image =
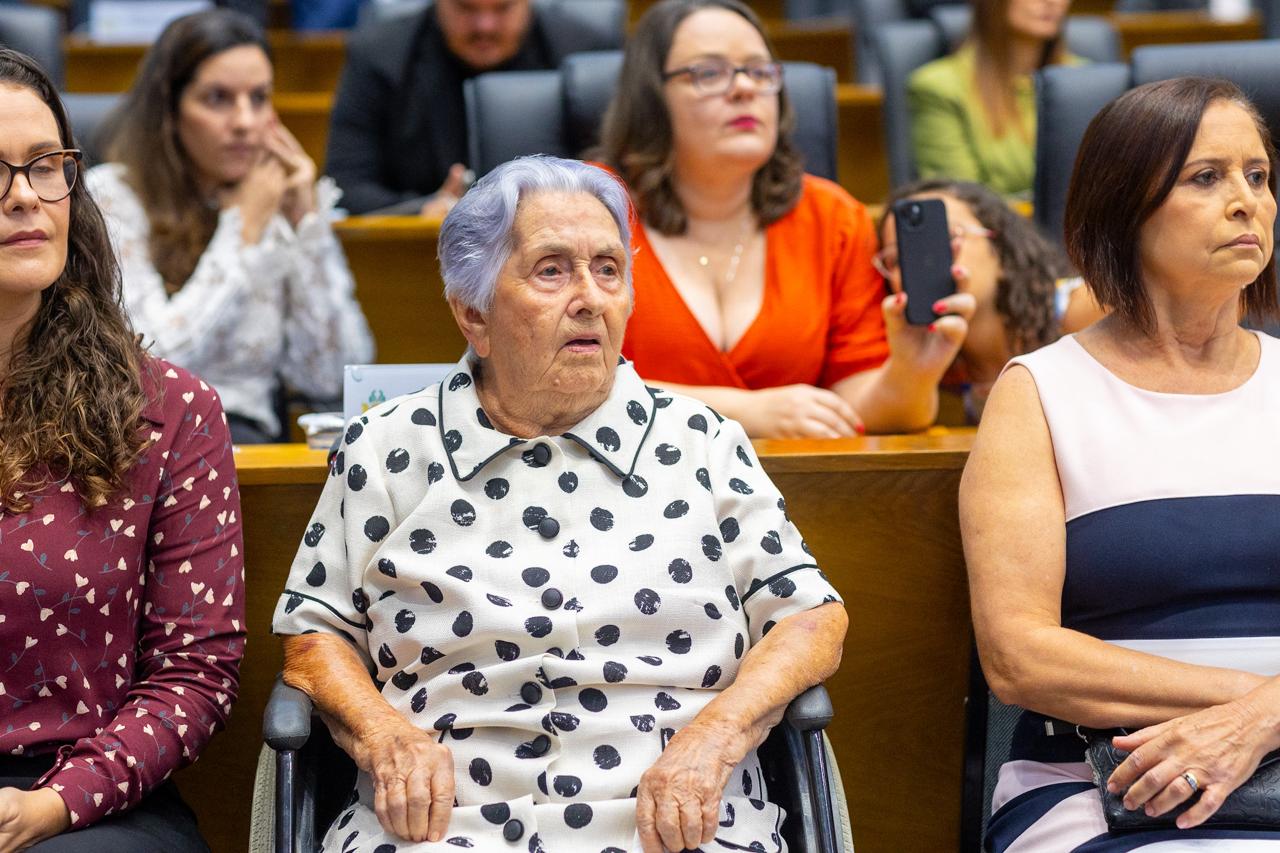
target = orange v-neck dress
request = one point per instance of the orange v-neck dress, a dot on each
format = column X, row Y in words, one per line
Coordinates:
column 819, row 321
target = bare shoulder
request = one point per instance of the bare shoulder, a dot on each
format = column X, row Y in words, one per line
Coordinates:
column 1013, row 450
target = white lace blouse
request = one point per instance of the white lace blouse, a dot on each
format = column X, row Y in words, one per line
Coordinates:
column 249, row 316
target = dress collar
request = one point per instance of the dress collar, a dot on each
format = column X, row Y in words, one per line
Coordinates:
column 613, row 434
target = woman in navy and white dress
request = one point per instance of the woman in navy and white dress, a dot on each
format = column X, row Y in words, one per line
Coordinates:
column 1121, row 508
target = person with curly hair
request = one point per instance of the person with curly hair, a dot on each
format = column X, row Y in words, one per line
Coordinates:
column 121, row 574
column 1026, row 296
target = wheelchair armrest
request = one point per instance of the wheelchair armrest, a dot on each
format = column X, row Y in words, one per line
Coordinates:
column 286, row 724
column 811, row 710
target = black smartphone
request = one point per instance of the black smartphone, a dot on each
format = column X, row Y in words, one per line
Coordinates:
column 924, row 256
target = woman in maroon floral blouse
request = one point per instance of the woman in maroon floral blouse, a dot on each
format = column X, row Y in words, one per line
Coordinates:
column 121, row 587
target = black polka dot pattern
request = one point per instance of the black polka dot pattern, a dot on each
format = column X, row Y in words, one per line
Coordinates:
column 550, row 657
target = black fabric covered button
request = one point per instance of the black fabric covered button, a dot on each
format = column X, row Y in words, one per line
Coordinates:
column 541, row 455
column 548, row 528
column 552, row 598
column 531, row 693
column 541, row 745
column 513, row 830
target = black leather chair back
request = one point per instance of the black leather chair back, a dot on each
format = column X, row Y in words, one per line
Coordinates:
column 87, row 113
column 37, row 32
column 1067, row 99
column 1253, row 66
column 869, row 15
column 901, row 47
column 510, row 114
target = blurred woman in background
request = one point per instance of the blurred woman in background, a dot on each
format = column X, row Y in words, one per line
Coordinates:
column 229, row 262
column 973, row 113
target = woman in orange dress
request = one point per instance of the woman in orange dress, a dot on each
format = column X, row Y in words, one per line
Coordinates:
column 755, row 289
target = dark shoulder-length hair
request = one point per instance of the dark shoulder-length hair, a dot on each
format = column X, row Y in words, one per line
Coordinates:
column 1128, row 163
column 71, row 404
column 994, row 75
column 142, row 134
column 1029, row 264
column 636, row 139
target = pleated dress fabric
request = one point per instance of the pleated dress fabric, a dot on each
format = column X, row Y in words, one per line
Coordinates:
column 1173, row 548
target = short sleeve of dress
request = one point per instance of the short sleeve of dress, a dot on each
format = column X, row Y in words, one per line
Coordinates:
column 324, row 591
column 856, row 340
column 774, row 573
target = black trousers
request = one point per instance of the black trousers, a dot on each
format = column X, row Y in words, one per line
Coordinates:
column 161, row 823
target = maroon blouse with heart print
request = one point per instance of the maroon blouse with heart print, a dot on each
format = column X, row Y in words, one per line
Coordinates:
column 121, row 629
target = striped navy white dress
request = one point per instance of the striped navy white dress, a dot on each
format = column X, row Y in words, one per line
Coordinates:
column 1173, row 548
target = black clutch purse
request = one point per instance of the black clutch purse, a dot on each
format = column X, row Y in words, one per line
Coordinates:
column 1254, row 805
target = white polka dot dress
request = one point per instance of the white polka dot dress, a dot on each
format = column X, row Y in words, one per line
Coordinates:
column 553, row 609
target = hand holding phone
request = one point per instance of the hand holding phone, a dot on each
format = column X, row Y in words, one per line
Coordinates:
column 924, row 256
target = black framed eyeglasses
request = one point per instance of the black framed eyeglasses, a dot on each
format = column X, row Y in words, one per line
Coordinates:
column 51, row 175
column 716, row 76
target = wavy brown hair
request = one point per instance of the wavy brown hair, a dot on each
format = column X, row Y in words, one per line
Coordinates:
column 142, row 134
column 1029, row 264
column 636, row 139
column 71, row 405
column 993, row 65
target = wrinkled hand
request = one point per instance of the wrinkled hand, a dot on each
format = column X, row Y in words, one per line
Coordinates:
column 1220, row 745
column 800, row 411
column 299, row 196
column 439, row 203
column 678, row 801
column 27, row 817
column 412, row 779
column 258, row 196
column 931, row 349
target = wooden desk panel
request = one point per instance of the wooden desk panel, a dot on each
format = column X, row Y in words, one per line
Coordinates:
column 880, row 516
column 1142, row 28
column 862, row 166
column 304, row 62
column 399, row 287
column 306, row 115
column 823, row 41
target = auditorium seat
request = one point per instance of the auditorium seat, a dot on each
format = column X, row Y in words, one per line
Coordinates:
column 1067, row 99
column 513, row 113
column 37, row 32
column 903, row 46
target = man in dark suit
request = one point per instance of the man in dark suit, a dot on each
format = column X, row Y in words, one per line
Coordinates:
column 398, row 138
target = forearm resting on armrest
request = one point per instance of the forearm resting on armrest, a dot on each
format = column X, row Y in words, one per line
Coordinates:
column 327, row 669
column 802, row 650
column 1081, row 679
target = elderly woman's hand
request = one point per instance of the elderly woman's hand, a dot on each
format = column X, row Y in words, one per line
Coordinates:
column 930, row 349
column 678, row 802
column 1220, row 746
column 412, row 777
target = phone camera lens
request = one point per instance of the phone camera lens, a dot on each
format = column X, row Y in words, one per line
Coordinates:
column 915, row 214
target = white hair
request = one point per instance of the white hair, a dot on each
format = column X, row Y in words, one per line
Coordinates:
column 476, row 240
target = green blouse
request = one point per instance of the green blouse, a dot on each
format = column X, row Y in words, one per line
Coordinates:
column 949, row 131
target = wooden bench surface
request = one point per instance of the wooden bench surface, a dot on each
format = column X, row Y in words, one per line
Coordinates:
column 880, row 516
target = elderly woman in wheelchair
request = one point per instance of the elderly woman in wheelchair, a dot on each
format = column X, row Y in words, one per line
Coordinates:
column 541, row 605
